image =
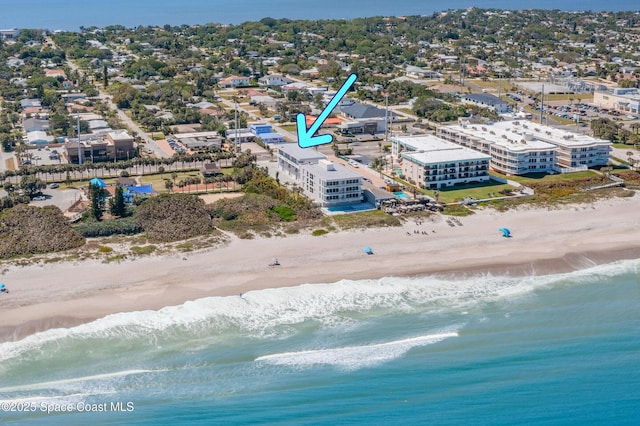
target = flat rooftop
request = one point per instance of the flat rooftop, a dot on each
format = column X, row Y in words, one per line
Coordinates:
column 197, row 135
column 548, row 134
column 512, row 137
column 339, row 172
column 301, row 154
column 432, row 149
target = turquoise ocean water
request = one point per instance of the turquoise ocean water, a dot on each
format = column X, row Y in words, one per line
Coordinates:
column 556, row 349
column 71, row 14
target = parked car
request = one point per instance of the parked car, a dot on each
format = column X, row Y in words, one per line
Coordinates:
column 39, row 198
column 54, row 185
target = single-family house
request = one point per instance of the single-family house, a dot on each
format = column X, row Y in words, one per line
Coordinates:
column 234, row 81
column 274, row 80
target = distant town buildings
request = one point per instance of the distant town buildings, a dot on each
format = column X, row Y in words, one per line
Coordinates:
column 619, row 99
column 200, row 141
column 115, row 145
column 485, row 100
column 9, row 34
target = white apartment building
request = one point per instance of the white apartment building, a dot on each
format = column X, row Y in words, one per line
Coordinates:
column 330, row 184
column 434, row 163
column 291, row 157
column 521, row 147
column 512, row 153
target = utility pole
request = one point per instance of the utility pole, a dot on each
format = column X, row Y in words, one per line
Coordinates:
column 79, row 143
column 541, row 104
column 386, row 117
column 237, row 140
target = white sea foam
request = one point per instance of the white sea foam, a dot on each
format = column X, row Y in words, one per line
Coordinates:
column 277, row 312
column 354, row 357
column 56, row 384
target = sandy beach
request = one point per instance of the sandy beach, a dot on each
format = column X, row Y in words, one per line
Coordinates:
column 544, row 241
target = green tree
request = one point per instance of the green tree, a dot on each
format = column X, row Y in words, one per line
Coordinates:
column 31, row 185
column 98, row 196
column 378, row 164
column 7, row 141
column 116, row 204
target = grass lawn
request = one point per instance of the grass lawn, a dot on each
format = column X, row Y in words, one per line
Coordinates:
column 85, row 182
column 546, row 178
column 288, row 127
column 363, row 220
column 566, row 96
column 407, row 111
column 457, row 193
column 624, row 146
column 157, row 180
column 489, row 84
column 478, row 191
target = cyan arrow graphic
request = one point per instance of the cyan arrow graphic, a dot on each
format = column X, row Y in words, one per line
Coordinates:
column 305, row 137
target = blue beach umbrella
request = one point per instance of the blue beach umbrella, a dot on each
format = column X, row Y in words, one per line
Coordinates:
column 505, row 232
column 368, row 250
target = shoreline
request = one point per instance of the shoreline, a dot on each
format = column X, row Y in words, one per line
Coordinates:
column 544, row 242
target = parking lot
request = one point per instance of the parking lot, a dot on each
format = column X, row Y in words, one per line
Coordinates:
column 61, row 198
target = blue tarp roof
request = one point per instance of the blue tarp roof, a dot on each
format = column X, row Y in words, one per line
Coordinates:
column 142, row 189
column 98, row 182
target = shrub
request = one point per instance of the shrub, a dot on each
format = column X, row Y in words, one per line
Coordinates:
column 105, row 228
column 29, row 230
column 105, row 249
column 172, row 217
column 286, row 214
column 144, row 250
column 319, row 232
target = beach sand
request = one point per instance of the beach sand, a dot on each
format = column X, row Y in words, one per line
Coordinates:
column 543, row 241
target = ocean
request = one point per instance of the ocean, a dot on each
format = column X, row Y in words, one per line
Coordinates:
column 550, row 349
column 70, row 15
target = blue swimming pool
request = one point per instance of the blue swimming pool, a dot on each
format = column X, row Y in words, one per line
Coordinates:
column 351, row 208
column 400, row 194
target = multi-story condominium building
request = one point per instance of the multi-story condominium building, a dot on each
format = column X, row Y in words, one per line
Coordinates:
column 330, row 184
column 520, row 147
column 433, row 163
column 511, row 153
column 291, row 157
column 326, row 183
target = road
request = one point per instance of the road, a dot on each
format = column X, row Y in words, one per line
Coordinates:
column 128, row 122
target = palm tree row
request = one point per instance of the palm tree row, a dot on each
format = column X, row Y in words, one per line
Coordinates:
column 59, row 172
